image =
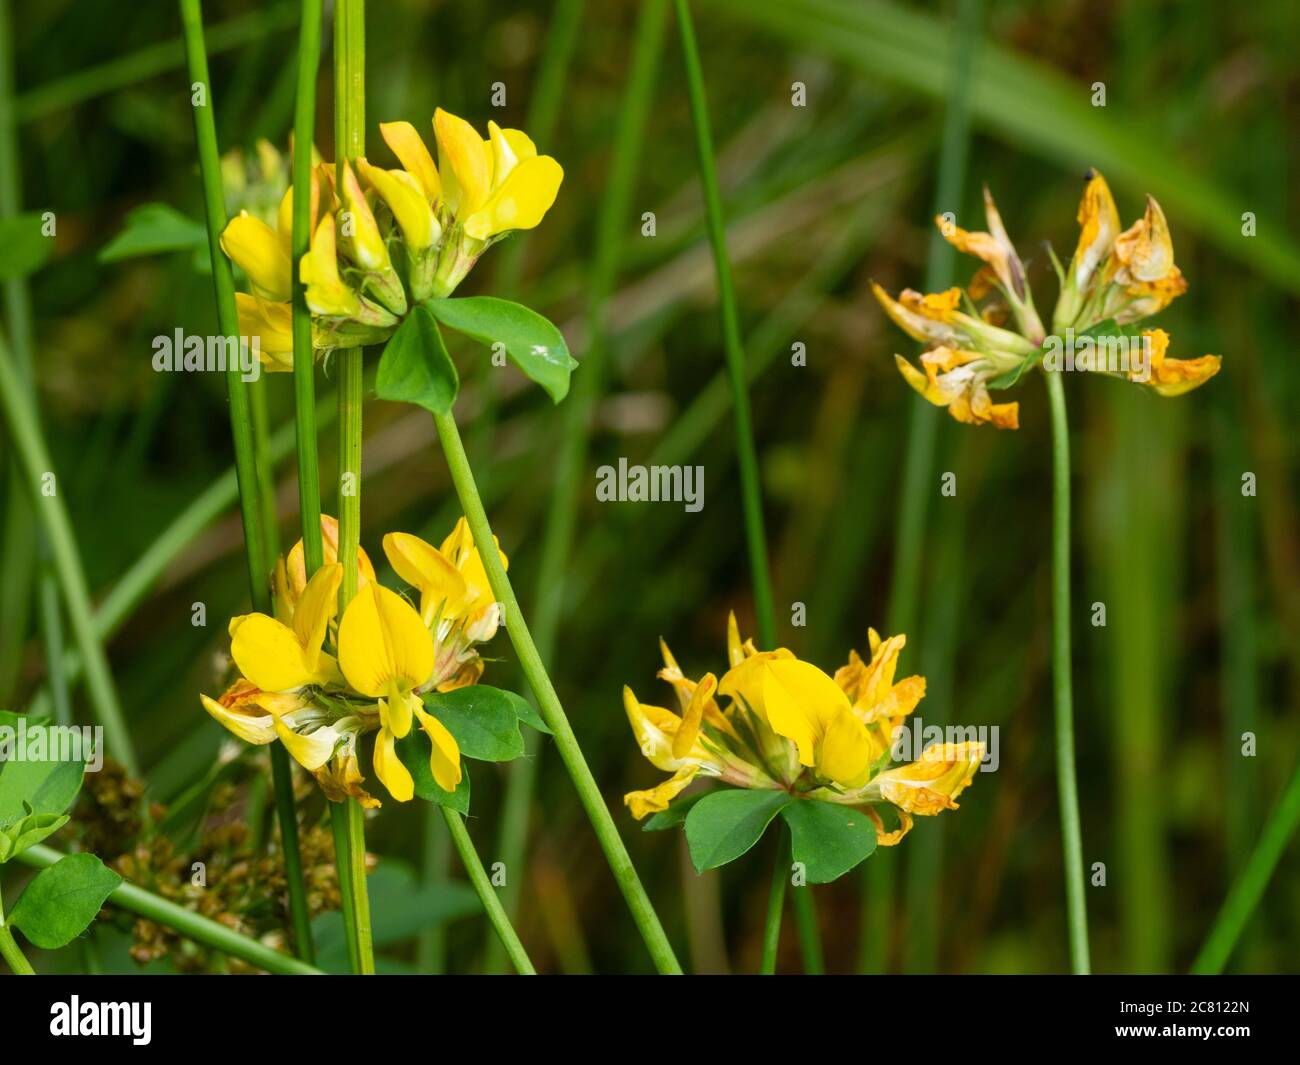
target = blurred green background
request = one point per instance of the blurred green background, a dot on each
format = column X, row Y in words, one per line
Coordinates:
column 1201, row 584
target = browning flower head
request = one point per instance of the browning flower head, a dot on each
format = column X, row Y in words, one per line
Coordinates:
column 1115, row 278
column 775, row 722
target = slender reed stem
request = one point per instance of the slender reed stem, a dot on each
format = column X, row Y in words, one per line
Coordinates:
column 548, row 702
column 431, row 944
column 200, row 929
column 561, row 518
column 241, row 430
column 487, row 894
column 349, row 143
column 746, row 455
column 1066, row 783
column 1249, row 886
column 10, row 950
column 304, row 366
column 38, row 471
column 343, row 865
column 775, row 904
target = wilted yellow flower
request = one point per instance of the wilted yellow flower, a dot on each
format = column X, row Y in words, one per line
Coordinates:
column 1113, row 280
column 778, row 723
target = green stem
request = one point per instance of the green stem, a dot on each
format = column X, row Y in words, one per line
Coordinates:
column 746, row 455
column 775, row 904
column 304, row 366
column 1249, row 886
column 343, row 865
column 349, row 143
column 548, row 702
column 34, row 457
column 9, row 949
column 561, row 518
column 1067, row 785
column 200, row 929
column 241, row 431
column 431, row 944
column 805, row 920
column 487, row 894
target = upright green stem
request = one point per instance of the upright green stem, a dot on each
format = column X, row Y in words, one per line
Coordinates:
column 202, row 930
column 1249, row 886
column 775, row 904
column 304, row 366
column 810, row 937
column 548, row 702
column 349, row 143
column 746, row 455
column 487, row 894
column 9, row 949
column 343, row 865
column 241, row 430
column 561, row 517
column 1067, row 786
column 38, row 471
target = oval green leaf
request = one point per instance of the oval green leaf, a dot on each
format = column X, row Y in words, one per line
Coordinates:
column 725, row 824
column 413, row 750
column 531, row 342
column 828, row 839
column 483, row 720
column 63, row 899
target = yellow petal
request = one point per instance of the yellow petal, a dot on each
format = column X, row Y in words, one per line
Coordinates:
column 406, row 200
column 358, row 231
column 653, row 800
column 444, row 760
column 409, row 148
column 244, row 718
column 520, row 202
column 846, row 751
column 253, row 245
column 931, row 783
column 317, row 607
column 654, row 729
column 296, row 568
column 463, row 164
column 1098, row 228
column 268, row 653
column 689, row 729
column 735, row 649
column 460, row 550
column 271, row 326
column 509, row 147
column 319, row 271
column 311, row 751
column 423, row 566
column 382, row 641
column 801, row 703
column 390, row 770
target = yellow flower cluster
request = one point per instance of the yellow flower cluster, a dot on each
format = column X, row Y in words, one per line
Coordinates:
column 385, row 654
column 386, row 239
column 1115, row 276
column 775, row 722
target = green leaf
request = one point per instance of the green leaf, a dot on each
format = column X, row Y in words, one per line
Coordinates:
column 674, row 815
column 413, row 750
column 827, row 838
column 26, row 247
column 415, row 367
column 28, row 831
column 527, row 713
column 29, row 786
column 725, row 824
column 483, row 720
column 152, row 229
column 531, row 342
column 62, row 901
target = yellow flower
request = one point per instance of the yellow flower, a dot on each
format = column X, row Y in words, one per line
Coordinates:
column 386, row 653
column 456, row 601
column 327, row 295
column 291, row 573
column 278, row 658
column 788, row 726
column 1098, row 227
column 271, row 324
column 256, row 249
